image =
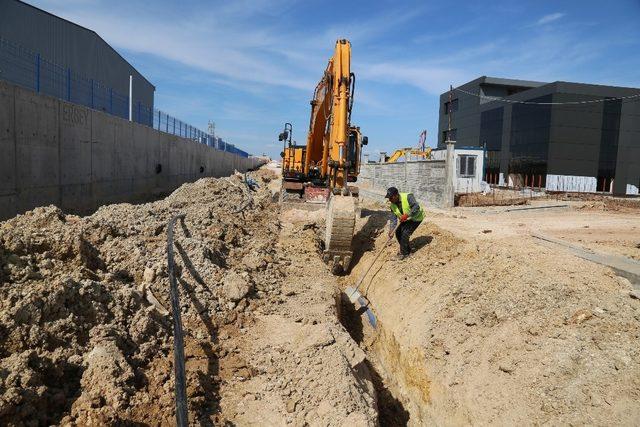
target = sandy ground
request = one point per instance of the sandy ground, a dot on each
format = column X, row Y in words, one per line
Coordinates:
column 482, row 325
column 584, row 223
column 86, row 337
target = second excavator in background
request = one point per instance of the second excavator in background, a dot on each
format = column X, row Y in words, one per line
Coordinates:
column 324, row 170
column 422, row 152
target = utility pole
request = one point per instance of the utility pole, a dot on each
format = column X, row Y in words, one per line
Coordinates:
column 449, row 112
column 131, row 100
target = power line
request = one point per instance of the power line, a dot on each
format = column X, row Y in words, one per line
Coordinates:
column 513, row 101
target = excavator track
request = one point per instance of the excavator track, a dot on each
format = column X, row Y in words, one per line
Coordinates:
column 340, row 224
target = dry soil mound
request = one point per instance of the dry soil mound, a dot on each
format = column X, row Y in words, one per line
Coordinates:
column 84, row 331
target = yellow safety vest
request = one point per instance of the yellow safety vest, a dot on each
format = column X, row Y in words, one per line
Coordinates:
column 404, row 202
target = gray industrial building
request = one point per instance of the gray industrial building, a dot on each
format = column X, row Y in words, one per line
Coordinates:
column 62, row 47
column 558, row 135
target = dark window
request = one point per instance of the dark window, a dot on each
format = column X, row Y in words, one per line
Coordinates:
column 610, row 131
column 529, row 138
column 351, row 155
column 491, row 128
column 466, row 166
column 449, row 135
column 454, row 106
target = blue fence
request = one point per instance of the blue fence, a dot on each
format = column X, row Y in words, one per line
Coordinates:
column 29, row 69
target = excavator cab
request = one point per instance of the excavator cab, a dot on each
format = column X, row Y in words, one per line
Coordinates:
column 292, row 155
column 354, row 153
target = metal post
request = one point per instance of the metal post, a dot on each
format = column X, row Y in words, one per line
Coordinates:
column 158, row 119
column 69, row 84
column 167, row 124
column 174, row 125
column 38, row 73
column 182, row 414
column 130, row 97
column 450, row 100
column 91, row 93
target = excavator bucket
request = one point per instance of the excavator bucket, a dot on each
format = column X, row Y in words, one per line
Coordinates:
column 340, row 224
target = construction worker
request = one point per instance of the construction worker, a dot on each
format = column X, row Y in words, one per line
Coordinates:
column 405, row 209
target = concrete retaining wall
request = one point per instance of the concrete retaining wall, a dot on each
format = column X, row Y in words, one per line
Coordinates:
column 425, row 179
column 54, row 152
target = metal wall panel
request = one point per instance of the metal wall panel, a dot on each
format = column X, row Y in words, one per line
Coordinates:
column 71, row 46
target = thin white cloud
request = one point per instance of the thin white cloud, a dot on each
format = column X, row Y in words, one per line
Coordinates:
column 254, row 47
column 242, row 44
column 546, row 19
column 227, row 43
column 431, row 79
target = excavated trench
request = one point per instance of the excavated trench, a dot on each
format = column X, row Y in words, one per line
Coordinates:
column 390, row 398
column 398, row 373
column 399, row 378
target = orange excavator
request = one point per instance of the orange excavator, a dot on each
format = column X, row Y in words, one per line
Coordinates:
column 324, row 170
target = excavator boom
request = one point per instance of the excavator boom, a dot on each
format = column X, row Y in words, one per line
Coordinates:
column 330, row 130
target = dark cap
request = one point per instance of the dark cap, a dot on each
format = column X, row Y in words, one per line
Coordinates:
column 391, row 191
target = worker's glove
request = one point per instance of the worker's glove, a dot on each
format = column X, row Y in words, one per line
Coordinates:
column 404, row 217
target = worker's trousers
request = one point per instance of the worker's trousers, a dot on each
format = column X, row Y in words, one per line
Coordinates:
column 403, row 232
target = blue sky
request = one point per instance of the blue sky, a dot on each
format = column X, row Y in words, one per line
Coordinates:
column 252, row 65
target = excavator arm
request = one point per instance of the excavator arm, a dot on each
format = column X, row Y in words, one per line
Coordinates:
column 320, row 115
column 329, row 124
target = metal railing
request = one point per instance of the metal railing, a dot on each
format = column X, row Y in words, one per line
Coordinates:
column 29, row 69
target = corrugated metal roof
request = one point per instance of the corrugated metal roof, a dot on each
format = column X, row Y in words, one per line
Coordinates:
column 80, row 27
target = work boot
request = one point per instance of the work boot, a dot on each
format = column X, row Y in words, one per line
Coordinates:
column 401, row 256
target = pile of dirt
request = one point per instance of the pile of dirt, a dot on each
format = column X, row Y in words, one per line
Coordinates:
column 300, row 365
column 611, row 204
column 474, row 332
column 85, row 335
column 86, row 332
column 491, row 199
column 602, row 202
